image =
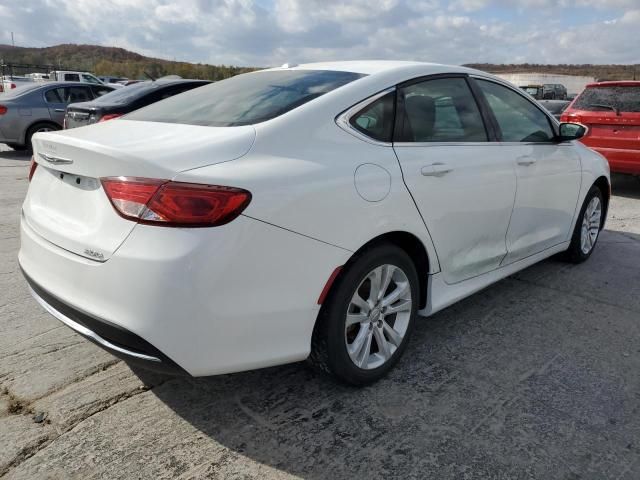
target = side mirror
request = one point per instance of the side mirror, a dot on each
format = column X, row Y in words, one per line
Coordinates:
column 571, row 131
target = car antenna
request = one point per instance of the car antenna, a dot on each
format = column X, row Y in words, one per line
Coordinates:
column 147, row 74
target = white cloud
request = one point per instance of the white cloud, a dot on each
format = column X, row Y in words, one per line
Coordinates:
column 248, row 32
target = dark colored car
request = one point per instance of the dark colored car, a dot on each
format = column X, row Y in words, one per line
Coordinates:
column 125, row 100
column 40, row 107
column 611, row 111
column 555, row 107
column 548, row 91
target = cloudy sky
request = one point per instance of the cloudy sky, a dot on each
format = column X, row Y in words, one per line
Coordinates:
column 271, row 32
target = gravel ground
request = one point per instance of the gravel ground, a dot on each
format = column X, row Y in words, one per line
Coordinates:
column 535, row 377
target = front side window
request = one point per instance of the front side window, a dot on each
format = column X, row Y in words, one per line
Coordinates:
column 519, row 119
column 376, row 119
column 245, row 99
column 99, row 91
column 77, row 94
column 440, row 110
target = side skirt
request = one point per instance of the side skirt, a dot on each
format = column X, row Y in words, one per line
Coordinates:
column 440, row 294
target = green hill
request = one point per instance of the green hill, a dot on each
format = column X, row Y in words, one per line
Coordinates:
column 111, row 61
column 120, row 62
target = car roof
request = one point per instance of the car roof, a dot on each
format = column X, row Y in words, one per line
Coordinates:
column 371, row 67
column 615, row 83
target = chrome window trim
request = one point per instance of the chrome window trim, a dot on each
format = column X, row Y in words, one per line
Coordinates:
column 445, row 144
column 343, row 120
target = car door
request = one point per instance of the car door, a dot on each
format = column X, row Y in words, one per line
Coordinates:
column 463, row 184
column 548, row 172
column 55, row 99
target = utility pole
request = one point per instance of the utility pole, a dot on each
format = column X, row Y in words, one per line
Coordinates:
column 12, row 42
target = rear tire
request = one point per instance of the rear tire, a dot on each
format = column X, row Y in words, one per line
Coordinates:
column 38, row 127
column 587, row 229
column 366, row 321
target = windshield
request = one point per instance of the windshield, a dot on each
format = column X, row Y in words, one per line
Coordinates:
column 531, row 90
column 245, row 99
column 625, row 99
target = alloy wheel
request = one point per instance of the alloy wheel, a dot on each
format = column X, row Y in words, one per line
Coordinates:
column 590, row 225
column 378, row 316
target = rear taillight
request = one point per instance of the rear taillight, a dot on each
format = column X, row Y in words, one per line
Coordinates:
column 109, row 116
column 13, row 85
column 571, row 118
column 174, row 204
column 3, row 109
column 32, row 168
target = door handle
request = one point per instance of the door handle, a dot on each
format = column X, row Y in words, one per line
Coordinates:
column 526, row 161
column 437, row 169
column 58, row 110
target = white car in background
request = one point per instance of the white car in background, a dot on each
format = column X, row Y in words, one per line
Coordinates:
column 308, row 211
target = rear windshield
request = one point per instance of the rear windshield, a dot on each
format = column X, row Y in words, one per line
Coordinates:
column 245, row 99
column 127, row 94
column 21, row 89
column 625, row 99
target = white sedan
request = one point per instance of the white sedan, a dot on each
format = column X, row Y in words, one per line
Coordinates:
column 303, row 212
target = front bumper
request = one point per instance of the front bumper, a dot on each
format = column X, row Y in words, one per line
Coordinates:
column 212, row 300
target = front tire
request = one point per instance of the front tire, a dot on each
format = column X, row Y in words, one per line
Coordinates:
column 367, row 319
column 587, row 229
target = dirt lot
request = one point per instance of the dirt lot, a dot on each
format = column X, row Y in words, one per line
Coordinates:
column 535, row 377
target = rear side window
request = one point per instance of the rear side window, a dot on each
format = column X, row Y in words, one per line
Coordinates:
column 624, row 99
column 440, row 110
column 518, row 118
column 376, row 119
column 71, row 77
column 55, row 95
column 245, row 99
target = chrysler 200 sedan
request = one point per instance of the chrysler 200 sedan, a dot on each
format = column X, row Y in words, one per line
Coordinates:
column 309, row 211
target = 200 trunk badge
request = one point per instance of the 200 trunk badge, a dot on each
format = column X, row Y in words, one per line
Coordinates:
column 93, row 254
column 55, row 160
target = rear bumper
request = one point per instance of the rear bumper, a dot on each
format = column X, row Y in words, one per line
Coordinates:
column 621, row 161
column 117, row 340
column 207, row 301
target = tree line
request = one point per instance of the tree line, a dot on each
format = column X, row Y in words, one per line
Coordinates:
column 112, row 61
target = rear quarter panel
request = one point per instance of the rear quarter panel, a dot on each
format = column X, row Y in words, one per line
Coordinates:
column 301, row 173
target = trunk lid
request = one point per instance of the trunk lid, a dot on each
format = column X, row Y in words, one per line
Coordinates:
column 66, row 203
column 81, row 114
